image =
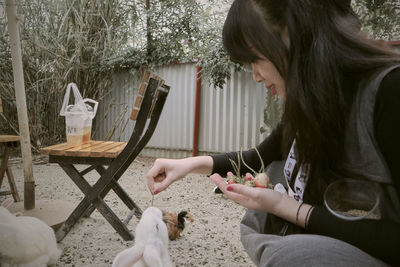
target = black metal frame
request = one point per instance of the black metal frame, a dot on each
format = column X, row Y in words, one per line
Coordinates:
column 94, row 195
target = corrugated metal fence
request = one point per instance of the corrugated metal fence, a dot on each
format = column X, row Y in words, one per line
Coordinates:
column 230, row 118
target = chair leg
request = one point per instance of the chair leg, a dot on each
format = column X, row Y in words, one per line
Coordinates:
column 82, row 207
column 107, row 213
column 120, row 192
column 127, row 199
column 115, row 222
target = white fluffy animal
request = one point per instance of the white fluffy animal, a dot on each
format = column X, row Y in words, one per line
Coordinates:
column 25, row 241
column 151, row 243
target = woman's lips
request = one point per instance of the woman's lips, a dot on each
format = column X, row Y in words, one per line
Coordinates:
column 271, row 89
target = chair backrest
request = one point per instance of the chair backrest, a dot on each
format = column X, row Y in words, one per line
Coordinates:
column 141, row 92
column 154, row 98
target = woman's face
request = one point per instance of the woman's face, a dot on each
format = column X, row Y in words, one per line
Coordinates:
column 264, row 71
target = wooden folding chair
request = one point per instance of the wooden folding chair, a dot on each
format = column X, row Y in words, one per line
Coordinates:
column 118, row 155
column 8, row 142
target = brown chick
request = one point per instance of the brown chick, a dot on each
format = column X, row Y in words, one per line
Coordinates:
column 176, row 223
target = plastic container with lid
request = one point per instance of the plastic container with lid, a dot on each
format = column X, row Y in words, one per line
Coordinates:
column 78, row 117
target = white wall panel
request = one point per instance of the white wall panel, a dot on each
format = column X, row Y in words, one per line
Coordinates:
column 230, row 118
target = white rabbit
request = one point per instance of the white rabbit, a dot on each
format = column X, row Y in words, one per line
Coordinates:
column 151, row 243
column 25, row 241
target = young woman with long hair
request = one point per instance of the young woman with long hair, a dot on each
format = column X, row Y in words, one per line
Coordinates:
column 341, row 120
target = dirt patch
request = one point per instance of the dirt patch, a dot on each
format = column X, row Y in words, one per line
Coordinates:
column 211, row 240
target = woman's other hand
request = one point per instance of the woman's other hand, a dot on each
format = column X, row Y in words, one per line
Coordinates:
column 267, row 200
column 255, row 198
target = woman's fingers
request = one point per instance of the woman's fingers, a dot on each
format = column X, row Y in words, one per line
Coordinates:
column 162, row 185
column 244, row 190
column 219, row 181
column 159, row 178
column 226, row 188
column 155, row 174
column 246, row 196
column 150, row 183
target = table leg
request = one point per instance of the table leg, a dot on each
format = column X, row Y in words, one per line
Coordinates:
column 13, row 186
column 4, row 163
column 5, row 169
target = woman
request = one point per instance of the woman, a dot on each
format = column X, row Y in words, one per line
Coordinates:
column 341, row 120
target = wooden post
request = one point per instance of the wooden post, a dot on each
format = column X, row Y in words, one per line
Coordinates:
column 15, row 43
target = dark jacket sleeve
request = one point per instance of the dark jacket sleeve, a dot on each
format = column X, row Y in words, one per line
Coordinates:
column 379, row 238
column 269, row 149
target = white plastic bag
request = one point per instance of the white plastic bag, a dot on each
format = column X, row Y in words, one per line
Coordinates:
column 78, row 117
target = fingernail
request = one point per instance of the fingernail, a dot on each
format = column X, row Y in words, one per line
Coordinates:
column 155, row 192
column 229, row 188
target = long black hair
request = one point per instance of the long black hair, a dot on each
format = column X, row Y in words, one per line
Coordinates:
column 326, row 54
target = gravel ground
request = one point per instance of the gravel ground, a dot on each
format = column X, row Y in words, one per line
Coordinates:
column 211, row 240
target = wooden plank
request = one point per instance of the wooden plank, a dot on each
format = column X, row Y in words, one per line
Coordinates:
column 146, row 76
column 138, row 101
column 101, row 151
column 142, row 88
column 87, row 152
column 73, row 152
column 55, row 149
column 9, row 138
column 113, row 153
column 134, row 113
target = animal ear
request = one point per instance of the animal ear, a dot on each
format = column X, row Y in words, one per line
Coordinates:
column 128, row 257
column 182, row 213
column 152, row 256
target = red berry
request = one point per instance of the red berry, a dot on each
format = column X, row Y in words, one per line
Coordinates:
column 249, row 177
column 231, row 181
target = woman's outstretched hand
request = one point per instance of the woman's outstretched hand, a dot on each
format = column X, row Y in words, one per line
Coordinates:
column 164, row 172
column 255, row 198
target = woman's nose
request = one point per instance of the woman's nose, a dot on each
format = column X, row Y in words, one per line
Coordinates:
column 256, row 76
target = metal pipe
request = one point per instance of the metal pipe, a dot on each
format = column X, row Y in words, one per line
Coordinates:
column 197, row 108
